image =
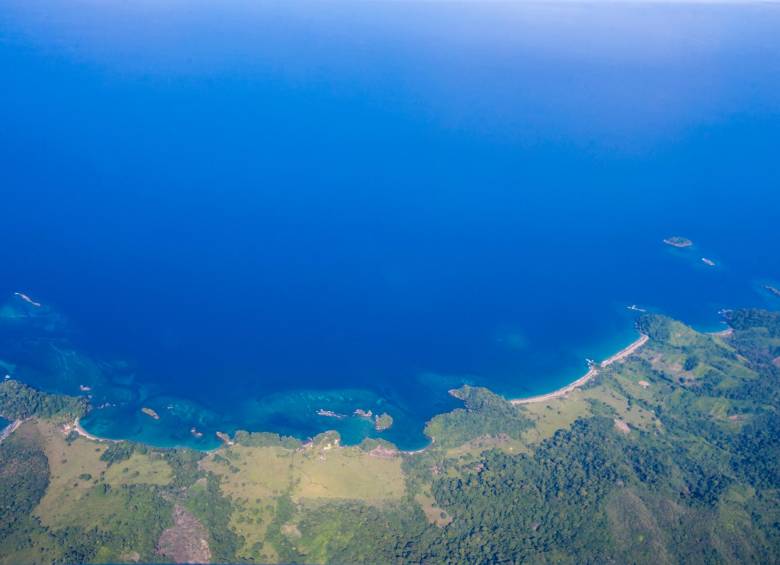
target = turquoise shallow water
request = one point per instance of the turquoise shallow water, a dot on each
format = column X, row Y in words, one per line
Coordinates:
column 239, row 215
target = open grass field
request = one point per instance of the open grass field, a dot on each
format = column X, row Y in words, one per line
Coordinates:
column 249, row 473
column 140, row 469
column 75, row 468
column 250, row 520
column 253, row 478
column 77, row 475
column 613, row 392
column 252, row 473
column 347, row 473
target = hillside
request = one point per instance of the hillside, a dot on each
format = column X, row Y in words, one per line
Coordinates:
column 671, row 455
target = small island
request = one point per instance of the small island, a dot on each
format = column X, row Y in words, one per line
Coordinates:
column 677, row 241
column 360, row 413
column 708, row 262
column 330, row 414
column 383, row 422
column 27, row 299
column 151, row 413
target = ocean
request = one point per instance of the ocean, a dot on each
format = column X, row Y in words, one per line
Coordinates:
column 241, row 213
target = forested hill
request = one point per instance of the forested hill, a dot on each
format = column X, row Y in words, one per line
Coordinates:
column 670, row 456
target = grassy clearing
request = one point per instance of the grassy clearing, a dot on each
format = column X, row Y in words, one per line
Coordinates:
column 252, row 477
column 250, row 521
column 74, row 470
column 255, row 477
column 250, row 473
column 348, row 473
column 556, row 414
column 626, row 410
column 614, row 388
column 433, row 513
column 84, row 490
column 139, row 469
column 476, row 446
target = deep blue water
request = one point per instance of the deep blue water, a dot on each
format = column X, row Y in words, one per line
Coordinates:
column 248, row 211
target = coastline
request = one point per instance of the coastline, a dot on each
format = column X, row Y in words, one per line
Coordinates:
column 76, row 427
column 723, row 333
column 9, row 429
column 563, row 391
column 592, row 372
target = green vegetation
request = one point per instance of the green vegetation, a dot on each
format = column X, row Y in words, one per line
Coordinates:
column 117, row 452
column 760, row 320
column 671, row 456
column 265, row 439
column 206, row 502
column 18, row 401
column 485, row 414
column 384, row 421
column 24, row 476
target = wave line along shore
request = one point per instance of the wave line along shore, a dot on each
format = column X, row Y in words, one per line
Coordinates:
column 594, row 370
column 76, row 427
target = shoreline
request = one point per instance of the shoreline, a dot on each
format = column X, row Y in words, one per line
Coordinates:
column 563, row 391
column 76, row 427
column 723, row 333
column 9, row 429
column 587, row 377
